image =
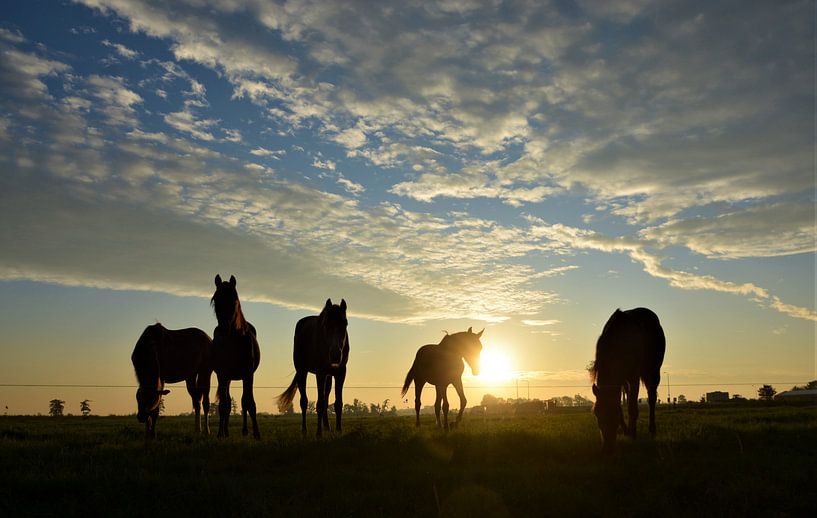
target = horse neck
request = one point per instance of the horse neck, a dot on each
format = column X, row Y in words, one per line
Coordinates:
column 453, row 344
column 236, row 322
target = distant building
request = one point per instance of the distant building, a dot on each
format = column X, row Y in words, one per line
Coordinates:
column 717, row 396
column 797, row 395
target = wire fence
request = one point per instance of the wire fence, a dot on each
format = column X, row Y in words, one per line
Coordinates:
column 398, row 387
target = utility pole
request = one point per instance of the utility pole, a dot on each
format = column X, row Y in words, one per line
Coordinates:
column 669, row 399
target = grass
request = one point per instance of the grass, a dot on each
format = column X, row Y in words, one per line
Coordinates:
column 749, row 460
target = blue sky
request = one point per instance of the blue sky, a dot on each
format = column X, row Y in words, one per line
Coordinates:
column 526, row 166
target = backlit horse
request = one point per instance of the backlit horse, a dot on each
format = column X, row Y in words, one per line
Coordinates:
column 168, row 356
column 631, row 348
column 441, row 365
column 236, row 355
column 321, row 347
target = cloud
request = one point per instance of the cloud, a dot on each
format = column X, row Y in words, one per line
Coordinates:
column 122, row 50
column 187, row 122
column 350, row 186
column 540, row 323
column 763, row 230
column 562, row 236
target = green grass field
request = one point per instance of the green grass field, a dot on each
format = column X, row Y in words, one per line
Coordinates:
column 757, row 460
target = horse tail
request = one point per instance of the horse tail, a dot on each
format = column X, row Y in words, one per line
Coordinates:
column 409, row 379
column 286, row 397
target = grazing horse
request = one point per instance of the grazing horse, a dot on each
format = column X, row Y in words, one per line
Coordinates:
column 236, row 355
column 441, row 365
column 169, row 356
column 631, row 348
column 321, row 347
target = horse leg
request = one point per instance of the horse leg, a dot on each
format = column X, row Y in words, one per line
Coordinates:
column 418, row 391
column 300, row 379
column 652, row 396
column 326, row 390
column 320, row 406
column 203, row 383
column 152, row 420
column 632, row 406
column 461, row 394
column 340, row 378
column 248, row 405
column 445, row 407
column 223, row 393
column 437, row 400
column 196, row 397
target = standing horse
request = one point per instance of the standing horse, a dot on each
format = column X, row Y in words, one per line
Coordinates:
column 321, row 347
column 169, row 356
column 441, row 365
column 631, row 348
column 236, row 355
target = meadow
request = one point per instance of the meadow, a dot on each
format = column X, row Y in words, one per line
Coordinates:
column 712, row 460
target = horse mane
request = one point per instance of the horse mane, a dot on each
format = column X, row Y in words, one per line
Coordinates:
column 237, row 318
column 145, row 357
column 601, row 344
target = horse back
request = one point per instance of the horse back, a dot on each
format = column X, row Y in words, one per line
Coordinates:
column 184, row 353
column 436, row 365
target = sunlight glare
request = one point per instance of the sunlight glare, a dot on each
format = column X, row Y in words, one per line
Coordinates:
column 495, row 365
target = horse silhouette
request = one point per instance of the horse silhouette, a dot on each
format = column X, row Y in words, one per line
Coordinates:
column 168, row 356
column 236, row 355
column 441, row 365
column 321, row 347
column 631, row 348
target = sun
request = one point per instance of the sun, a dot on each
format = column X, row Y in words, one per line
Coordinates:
column 495, row 365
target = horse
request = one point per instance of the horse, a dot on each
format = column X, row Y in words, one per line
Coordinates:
column 441, row 365
column 322, row 348
column 236, row 355
column 631, row 348
column 168, row 356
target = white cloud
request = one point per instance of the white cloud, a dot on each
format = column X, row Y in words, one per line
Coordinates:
column 122, row 50
column 187, row 122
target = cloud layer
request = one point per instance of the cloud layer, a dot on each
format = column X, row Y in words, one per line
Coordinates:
column 409, row 155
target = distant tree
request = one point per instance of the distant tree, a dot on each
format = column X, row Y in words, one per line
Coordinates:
column 579, row 400
column 311, row 408
column 565, row 401
column 489, row 400
column 393, row 410
column 682, row 399
column 738, row 397
column 766, row 392
column 213, row 411
column 162, row 406
column 811, row 385
column 290, row 409
column 233, row 406
column 384, row 406
column 85, row 408
column 374, row 409
column 55, row 407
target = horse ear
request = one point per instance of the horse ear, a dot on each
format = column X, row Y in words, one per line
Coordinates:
column 480, row 333
column 164, row 392
column 595, row 390
column 232, row 280
column 218, row 280
column 343, row 305
column 469, row 330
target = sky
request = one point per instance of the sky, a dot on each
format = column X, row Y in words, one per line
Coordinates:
column 523, row 167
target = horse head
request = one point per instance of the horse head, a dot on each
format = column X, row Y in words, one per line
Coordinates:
column 607, row 410
column 226, row 304
column 332, row 324
column 470, row 347
column 148, row 399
